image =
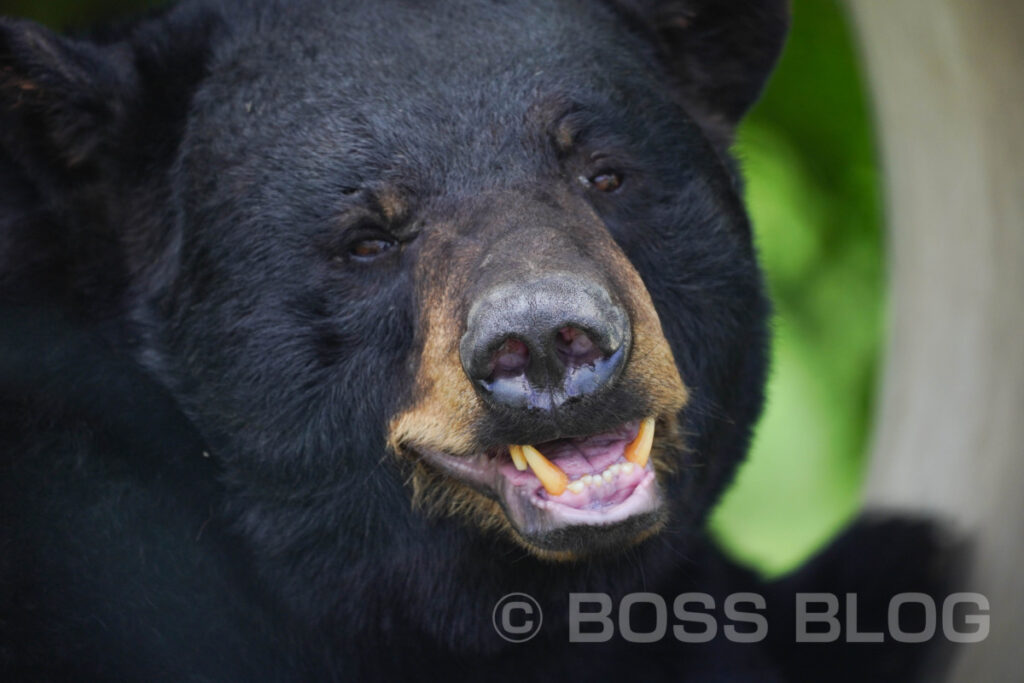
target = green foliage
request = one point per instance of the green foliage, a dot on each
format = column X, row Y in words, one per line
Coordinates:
column 808, row 157
column 73, row 14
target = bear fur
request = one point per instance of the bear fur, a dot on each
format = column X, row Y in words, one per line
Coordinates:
column 239, row 243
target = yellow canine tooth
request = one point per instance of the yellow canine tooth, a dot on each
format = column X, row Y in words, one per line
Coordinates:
column 551, row 475
column 518, row 459
column 639, row 450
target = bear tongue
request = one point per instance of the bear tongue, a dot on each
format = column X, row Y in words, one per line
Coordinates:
column 591, row 454
column 573, row 461
column 576, row 462
column 578, row 457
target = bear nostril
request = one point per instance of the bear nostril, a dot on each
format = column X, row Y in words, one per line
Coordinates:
column 510, row 359
column 576, row 348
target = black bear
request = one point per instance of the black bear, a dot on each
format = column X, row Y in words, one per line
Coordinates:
column 327, row 326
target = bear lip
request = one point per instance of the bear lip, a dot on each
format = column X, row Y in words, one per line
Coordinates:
column 605, row 489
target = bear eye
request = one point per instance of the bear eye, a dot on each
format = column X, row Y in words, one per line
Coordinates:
column 369, row 249
column 605, row 181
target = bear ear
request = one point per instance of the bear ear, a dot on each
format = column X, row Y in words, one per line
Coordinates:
column 60, row 98
column 721, row 50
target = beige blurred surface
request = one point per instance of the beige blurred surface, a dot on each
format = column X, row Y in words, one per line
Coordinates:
column 947, row 79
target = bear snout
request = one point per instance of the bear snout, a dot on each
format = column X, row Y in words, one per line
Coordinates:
column 537, row 344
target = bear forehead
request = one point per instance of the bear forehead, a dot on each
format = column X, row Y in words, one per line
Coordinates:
column 356, row 42
column 380, row 74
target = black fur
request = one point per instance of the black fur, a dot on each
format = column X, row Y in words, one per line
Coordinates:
column 196, row 380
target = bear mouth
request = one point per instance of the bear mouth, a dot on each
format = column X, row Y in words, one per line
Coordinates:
column 577, row 494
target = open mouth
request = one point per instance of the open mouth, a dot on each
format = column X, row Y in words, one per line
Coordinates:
column 577, row 493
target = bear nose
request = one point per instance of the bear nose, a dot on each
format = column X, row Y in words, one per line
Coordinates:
column 540, row 343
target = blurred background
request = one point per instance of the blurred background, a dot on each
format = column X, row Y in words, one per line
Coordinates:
column 812, row 188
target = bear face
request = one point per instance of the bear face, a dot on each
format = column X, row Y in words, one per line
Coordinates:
column 381, row 254
column 348, row 206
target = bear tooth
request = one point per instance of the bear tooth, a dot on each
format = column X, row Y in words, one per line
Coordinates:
column 587, row 479
column 551, row 476
column 626, row 467
column 608, row 475
column 639, row 450
column 576, row 486
column 518, row 459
